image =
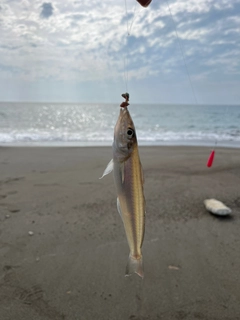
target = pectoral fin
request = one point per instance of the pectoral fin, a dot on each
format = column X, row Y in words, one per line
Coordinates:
column 108, row 169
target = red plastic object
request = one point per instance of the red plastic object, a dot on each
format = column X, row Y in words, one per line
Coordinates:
column 210, row 159
column 144, row 3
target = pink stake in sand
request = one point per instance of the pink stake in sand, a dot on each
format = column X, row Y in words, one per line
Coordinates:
column 211, row 156
column 210, row 159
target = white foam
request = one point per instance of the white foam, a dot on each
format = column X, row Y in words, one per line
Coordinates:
column 100, row 137
column 81, row 124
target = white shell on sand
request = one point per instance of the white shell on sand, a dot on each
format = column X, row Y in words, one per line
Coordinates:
column 217, row 207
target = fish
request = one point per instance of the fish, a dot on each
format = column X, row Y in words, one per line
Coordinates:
column 129, row 180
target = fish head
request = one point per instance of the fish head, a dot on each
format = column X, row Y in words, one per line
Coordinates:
column 125, row 138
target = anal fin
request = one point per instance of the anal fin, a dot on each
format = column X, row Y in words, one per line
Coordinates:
column 119, row 208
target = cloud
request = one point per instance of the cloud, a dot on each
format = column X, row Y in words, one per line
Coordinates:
column 88, row 41
column 47, row 10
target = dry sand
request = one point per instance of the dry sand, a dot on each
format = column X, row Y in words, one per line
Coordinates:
column 73, row 265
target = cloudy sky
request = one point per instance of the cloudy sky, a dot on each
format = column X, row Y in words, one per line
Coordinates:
column 80, row 51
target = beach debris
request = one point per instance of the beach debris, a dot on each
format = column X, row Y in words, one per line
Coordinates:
column 7, row 216
column 37, row 259
column 30, row 233
column 173, row 268
column 128, row 177
column 13, row 210
column 217, row 207
column 210, row 159
column 7, row 267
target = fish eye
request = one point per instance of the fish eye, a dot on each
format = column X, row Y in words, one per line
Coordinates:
column 130, row 133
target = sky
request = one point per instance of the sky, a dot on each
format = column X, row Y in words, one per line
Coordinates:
column 175, row 51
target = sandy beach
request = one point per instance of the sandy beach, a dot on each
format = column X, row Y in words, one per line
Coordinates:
column 72, row 264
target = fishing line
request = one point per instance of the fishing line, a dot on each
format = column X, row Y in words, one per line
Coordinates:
column 183, row 54
column 125, row 73
column 125, row 60
column 134, row 16
column 129, row 28
column 212, row 154
column 126, row 13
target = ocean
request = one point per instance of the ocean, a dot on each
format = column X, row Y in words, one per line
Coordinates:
column 68, row 124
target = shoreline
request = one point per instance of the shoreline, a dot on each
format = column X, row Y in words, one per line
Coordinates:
column 214, row 145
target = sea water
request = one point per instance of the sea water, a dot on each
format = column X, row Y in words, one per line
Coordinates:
column 67, row 124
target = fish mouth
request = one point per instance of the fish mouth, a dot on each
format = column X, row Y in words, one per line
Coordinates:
column 123, row 112
column 125, row 118
column 125, row 123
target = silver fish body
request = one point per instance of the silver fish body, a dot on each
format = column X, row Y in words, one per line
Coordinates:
column 128, row 177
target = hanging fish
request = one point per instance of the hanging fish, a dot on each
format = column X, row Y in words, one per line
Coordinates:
column 128, row 177
column 144, row 3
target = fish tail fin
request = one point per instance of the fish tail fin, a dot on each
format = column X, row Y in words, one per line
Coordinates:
column 135, row 265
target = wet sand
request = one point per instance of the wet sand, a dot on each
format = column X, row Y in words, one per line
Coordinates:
column 73, row 265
